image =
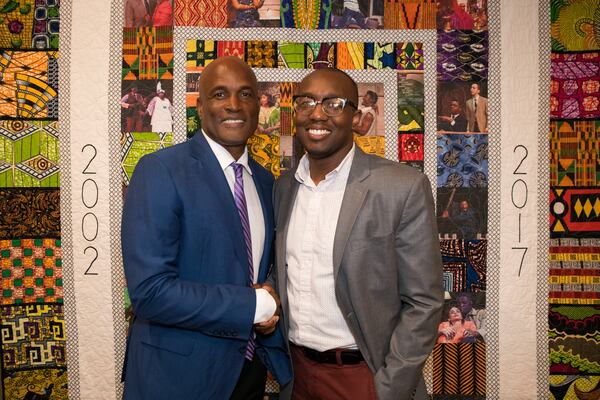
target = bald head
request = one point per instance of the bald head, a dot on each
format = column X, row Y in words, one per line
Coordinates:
column 228, row 67
column 337, row 78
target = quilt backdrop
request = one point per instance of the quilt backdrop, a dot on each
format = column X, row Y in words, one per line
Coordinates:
column 460, row 96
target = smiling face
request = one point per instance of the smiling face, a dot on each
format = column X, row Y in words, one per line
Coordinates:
column 228, row 103
column 322, row 136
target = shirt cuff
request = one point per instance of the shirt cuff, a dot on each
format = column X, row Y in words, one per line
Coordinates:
column 265, row 306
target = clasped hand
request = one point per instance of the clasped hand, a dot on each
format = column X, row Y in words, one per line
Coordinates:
column 268, row 327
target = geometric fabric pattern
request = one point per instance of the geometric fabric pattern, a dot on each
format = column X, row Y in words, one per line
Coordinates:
column 462, row 55
column 33, row 336
column 29, row 213
column 134, row 145
column 575, row 153
column 465, row 263
column 462, row 160
column 574, row 212
column 28, row 84
column 574, row 276
column 207, row 13
column 310, row 55
column 575, row 85
column 29, row 153
column 411, row 14
column 574, row 334
column 31, row 271
column 459, row 369
column 30, row 25
column 147, row 53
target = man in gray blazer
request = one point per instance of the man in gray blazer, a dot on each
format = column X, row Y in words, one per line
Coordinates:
column 358, row 267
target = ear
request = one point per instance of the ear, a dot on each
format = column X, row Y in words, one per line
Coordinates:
column 200, row 107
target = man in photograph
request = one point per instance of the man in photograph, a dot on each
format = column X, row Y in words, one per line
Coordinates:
column 358, row 265
column 455, row 121
column 477, row 110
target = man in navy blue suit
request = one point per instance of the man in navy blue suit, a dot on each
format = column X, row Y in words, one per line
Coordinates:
column 197, row 233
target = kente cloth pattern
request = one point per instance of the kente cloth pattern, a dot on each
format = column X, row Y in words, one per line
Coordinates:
column 33, row 336
column 465, row 264
column 31, row 271
column 462, row 56
column 410, row 146
column 29, row 153
column 575, row 85
column 147, row 53
column 305, row 14
column 29, row 84
column 575, row 153
column 574, row 212
column 206, row 13
column 456, row 222
column 45, row 383
column 409, row 14
column 574, row 336
column 575, row 25
column 134, row 145
column 30, row 25
column 29, row 213
column 462, row 160
column 574, row 387
column 574, row 276
column 459, row 369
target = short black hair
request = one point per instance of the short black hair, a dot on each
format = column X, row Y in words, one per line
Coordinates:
column 372, row 95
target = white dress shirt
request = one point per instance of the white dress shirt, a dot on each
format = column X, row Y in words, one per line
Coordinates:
column 315, row 317
column 265, row 304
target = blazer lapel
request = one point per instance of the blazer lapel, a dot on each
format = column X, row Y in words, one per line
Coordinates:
column 354, row 197
column 210, row 169
column 285, row 203
column 267, row 218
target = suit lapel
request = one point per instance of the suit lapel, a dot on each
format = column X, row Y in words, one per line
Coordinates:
column 211, row 172
column 265, row 199
column 354, row 197
column 285, row 203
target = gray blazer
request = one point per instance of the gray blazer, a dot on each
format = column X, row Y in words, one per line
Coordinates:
column 387, row 269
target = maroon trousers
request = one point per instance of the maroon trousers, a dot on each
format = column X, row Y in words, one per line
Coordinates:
column 314, row 380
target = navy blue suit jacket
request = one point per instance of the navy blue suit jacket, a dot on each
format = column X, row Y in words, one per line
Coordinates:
column 186, row 268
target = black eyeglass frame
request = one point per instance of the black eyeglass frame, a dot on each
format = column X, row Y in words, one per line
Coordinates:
column 345, row 102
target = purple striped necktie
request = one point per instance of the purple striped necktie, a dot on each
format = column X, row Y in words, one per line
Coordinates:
column 240, row 203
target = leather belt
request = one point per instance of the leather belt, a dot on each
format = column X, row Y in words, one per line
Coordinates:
column 334, row 356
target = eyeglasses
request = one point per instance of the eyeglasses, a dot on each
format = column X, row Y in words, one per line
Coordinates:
column 332, row 106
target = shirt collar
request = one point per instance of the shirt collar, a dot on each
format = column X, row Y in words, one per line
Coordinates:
column 224, row 158
column 303, row 171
